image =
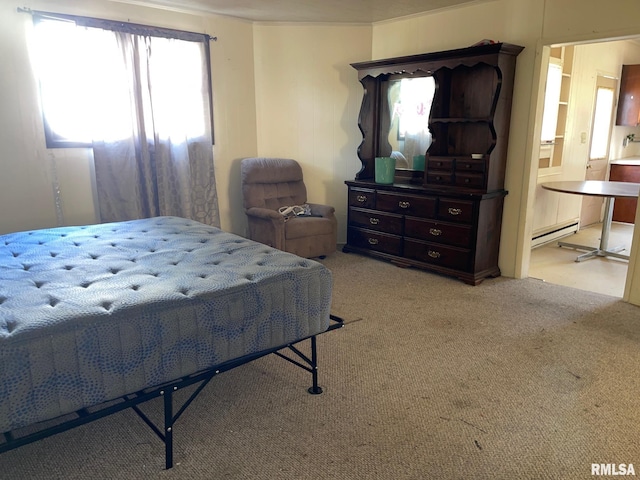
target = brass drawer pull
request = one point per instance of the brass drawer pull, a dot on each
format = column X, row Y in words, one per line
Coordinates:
column 404, row 204
column 455, row 211
column 374, row 221
column 361, row 198
column 433, row 254
column 372, row 241
column 435, row 232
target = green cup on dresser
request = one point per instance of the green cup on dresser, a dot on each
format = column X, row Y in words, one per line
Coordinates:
column 385, row 169
column 418, row 162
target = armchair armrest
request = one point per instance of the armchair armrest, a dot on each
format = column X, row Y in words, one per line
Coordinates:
column 266, row 226
column 265, row 214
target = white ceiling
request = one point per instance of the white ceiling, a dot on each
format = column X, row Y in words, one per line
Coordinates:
column 329, row 11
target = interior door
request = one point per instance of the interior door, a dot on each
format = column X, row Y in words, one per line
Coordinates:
column 598, row 163
column 592, row 206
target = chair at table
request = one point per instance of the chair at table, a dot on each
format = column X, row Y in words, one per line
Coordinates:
column 269, row 186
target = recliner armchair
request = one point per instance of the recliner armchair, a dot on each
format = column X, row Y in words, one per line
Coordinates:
column 271, row 183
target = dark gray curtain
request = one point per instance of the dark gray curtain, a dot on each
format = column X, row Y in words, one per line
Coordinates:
column 164, row 166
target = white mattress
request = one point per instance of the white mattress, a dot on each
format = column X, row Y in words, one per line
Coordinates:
column 88, row 314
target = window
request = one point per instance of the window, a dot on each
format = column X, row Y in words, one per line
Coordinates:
column 86, row 83
column 602, row 118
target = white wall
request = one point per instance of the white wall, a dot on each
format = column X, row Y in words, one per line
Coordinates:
column 234, row 112
column 512, row 21
column 586, row 20
column 308, row 99
column 25, row 179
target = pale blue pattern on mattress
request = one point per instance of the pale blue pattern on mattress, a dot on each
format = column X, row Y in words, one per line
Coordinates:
column 88, row 314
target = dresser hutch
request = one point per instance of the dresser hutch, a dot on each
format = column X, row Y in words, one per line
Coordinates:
column 445, row 216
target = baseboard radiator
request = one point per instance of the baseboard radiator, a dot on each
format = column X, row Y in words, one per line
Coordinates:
column 556, row 232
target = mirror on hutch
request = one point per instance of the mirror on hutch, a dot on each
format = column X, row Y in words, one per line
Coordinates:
column 444, row 117
column 404, row 130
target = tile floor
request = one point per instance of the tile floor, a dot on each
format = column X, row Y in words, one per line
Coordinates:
column 557, row 265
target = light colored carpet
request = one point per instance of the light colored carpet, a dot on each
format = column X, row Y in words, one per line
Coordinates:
column 429, row 379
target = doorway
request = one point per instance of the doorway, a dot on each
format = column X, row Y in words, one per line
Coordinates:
column 580, row 148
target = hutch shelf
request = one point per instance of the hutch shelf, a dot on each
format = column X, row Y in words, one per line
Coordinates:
column 448, row 217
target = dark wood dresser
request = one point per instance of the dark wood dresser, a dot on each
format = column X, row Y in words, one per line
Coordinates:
column 447, row 218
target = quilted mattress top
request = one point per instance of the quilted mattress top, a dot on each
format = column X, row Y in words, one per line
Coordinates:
column 53, row 279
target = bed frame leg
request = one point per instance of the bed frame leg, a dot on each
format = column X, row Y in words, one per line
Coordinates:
column 168, row 429
column 315, row 389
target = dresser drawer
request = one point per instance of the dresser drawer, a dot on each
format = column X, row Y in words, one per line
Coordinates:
column 433, row 253
column 440, row 163
column 455, row 210
column 470, row 179
column 362, row 197
column 375, row 220
column 415, row 205
column 439, row 232
column 380, row 242
column 464, row 165
column 439, row 178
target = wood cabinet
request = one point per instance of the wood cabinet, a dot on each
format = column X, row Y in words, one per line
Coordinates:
column 452, row 234
column 447, row 218
column 624, row 209
column 629, row 100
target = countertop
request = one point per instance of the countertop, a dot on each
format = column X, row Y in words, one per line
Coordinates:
column 635, row 161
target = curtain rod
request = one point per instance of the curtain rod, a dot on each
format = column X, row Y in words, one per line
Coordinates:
column 102, row 23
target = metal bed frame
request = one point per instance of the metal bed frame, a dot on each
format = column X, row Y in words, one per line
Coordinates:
column 133, row 400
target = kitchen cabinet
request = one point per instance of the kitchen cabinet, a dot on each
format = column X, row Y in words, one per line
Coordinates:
column 628, row 113
column 625, row 170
